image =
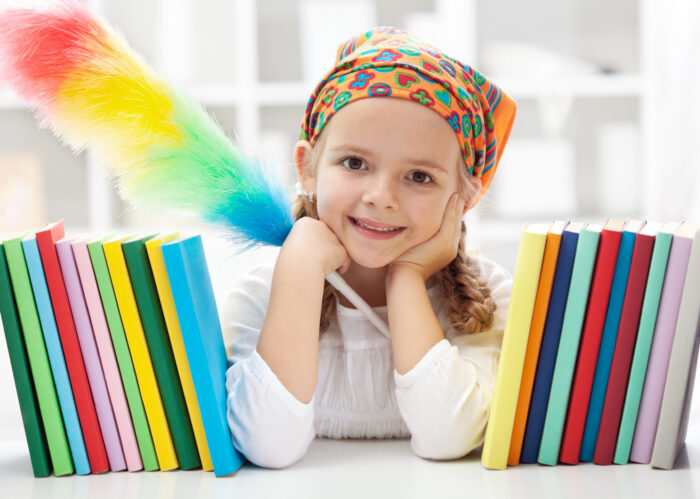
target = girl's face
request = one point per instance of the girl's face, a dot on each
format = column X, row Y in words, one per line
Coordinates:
column 387, row 163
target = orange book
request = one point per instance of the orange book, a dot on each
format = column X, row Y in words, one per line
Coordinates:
column 539, row 314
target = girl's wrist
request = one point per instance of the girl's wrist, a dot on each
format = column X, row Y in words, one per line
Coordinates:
column 401, row 274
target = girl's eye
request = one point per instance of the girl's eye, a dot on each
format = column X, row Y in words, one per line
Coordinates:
column 421, row 177
column 353, row 163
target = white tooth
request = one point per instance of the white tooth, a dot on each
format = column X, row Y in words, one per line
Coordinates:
column 373, row 228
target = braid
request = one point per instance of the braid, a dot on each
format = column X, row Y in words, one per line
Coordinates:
column 469, row 301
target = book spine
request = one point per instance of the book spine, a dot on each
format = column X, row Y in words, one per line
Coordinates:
column 590, row 344
column 106, row 354
column 150, row 395
column 121, row 350
column 622, row 358
column 56, row 359
column 568, row 347
column 650, row 308
column 161, row 353
column 92, row 436
column 21, row 372
column 510, row 366
column 607, row 346
column 549, row 347
column 93, row 365
column 659, row 355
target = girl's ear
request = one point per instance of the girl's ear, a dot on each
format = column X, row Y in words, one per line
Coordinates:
column 474, row 190
column 303, row 161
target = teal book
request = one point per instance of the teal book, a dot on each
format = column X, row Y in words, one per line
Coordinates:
column 576, row 305
column 56, row 359
column 608, row 339
column 161, row 351
column 21, row 372
column 650, row 308
column 195, row 304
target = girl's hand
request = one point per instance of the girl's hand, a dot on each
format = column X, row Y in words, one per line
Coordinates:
column 313, row 245
column 430, row 256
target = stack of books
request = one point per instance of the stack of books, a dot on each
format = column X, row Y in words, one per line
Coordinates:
column 600, row 345
column 117, row 353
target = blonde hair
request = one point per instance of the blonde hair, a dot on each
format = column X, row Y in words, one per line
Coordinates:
column 469, row 303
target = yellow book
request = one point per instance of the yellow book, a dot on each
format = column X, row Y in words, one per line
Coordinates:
column 515, row 335
column 153, row 405
column 160, row 275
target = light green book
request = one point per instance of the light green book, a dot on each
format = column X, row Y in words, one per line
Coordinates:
column 576, row 305
column 645, row 333
column 38, row 358
column 121, row 350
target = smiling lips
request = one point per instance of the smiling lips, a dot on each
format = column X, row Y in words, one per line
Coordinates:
column 375, row 230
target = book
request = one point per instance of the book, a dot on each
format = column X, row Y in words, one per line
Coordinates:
column 624, row 344
column 121, row 351
column 590, row 341
column 55, row 353
column 576, row 303
column 21, row 372
column 607, row 341
column 160, row 351
column 539, row 314
column 550, row 343
column 38, row 358
column 107, row 358
column 92, row 435
column 659, row 355
column 91, row 357
column 650, row 308
column 680, row 377
column 136, row 339
column 197, row 314
column 515, row 336
column 160, row 275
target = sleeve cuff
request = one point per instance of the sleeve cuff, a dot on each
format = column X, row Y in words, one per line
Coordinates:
column 428, row 362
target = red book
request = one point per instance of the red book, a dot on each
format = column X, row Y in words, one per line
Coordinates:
column 624, row 345
column 590, row 341
column 97, row 455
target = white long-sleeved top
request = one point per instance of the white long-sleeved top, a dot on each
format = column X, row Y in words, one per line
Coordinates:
column 442, row 403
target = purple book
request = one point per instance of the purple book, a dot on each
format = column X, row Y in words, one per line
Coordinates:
column 88, row 347
column 655, row 380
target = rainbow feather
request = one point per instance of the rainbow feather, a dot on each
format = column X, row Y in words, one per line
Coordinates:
column 162, row 147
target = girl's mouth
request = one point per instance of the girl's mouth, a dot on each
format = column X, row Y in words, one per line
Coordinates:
column 374, row 232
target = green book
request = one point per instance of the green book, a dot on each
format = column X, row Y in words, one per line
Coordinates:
column 575, row 311
column 156, row 333
column 121, row 350
column 647, row 321
column 31, row 419
column 38, row 358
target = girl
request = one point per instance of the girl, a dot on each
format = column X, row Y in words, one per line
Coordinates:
column 414, row 140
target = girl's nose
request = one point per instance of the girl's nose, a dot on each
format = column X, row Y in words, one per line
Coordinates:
column 381, row 192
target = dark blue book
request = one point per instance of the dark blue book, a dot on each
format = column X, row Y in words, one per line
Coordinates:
column 607, row 341
column 550, row 343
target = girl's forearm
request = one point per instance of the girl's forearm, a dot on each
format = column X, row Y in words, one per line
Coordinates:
column 289, row 338
column 414, row 327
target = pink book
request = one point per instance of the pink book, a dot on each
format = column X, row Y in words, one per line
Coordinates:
column 86, row 338
column 107, row 356
column 655, row 380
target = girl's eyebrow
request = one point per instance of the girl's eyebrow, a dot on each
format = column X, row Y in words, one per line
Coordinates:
column 426, row 163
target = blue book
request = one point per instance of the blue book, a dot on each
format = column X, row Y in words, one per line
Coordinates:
column 195, row 304
column 55, row 353
column 608, row 340
column 550, row 343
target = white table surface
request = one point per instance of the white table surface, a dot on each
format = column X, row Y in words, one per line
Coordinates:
column 369, row 468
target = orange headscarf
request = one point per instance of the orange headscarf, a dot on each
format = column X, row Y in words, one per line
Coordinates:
column 389, row 62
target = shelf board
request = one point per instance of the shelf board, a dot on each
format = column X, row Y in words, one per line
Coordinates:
column 597, row 86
